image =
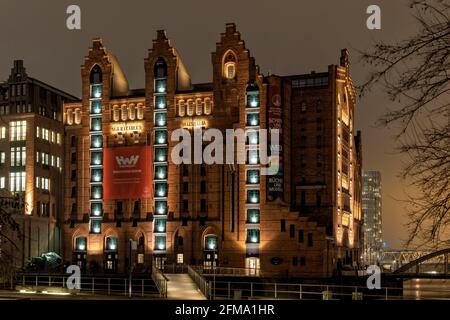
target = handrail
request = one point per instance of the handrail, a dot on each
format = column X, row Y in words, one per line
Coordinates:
column 160, row 281
column 247, row 272
column 109, row 285
column 200, row 281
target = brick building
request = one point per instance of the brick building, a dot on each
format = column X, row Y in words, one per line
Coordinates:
column 297, row 222
column 31, row 155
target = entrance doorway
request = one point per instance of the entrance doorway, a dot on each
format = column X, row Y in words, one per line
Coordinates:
column 252, row 265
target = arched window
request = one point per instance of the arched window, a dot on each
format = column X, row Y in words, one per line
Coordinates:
column 190, row 107
column 208, row 106
column 198, row 107
column 77, row 116
column 124, row 112
column 111, row 243
column 80, row 244
column 181, row 108
column 96, row 75
column 132, row 111
column 140, row 111
column 229, row 65
column 160, row 69
column 116, row 113
column 69, row 117
column 141, row 250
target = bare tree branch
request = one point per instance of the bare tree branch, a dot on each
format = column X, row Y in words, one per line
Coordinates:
column 415, row 74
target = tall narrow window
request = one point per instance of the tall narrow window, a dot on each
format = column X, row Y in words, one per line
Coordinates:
column 181, row 108
column 77, row 116
column 198, row 107
column 310, row 239
column 229, row 65
column 190, row 107
column 132, row 111
column 292, row 230
column 140, row 111
column 123, row 112
column 208, row 106
column 116, row 113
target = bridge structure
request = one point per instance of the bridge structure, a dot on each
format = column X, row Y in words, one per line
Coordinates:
column 434, row 264
column 393, row 259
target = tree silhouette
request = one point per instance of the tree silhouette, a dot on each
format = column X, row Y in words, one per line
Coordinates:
column 416, row 73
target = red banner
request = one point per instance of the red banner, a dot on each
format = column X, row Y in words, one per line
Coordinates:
column 127, row 173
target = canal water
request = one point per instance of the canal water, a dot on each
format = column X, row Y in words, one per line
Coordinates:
column 422, row 289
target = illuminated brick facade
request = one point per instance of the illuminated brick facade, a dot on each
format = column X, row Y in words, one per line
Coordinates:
column 297, row 223
column 31, row 156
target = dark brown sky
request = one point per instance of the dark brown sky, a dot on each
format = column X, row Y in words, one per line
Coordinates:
column 285, row 37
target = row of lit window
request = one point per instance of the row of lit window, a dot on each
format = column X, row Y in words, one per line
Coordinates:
column 160, row 171
column 18, row 157
column 43, row 183
column 48, row 135
column 160, row 138
column 111, row 243
column 130, row 112
column 200, row 106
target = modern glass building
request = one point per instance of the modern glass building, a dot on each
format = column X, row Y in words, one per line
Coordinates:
column 372, row 211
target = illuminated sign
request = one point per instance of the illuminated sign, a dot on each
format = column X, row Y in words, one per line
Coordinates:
column 194, row 123
column 131, row 126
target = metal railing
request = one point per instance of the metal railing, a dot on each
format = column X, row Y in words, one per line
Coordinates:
column 160, row 281
column 99, row 285
column 202, row 283
column 261, row 290
column 175, row 268
column 226, row 271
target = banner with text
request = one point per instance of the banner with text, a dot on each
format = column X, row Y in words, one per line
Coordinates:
column 127, row 173
column 275, row 183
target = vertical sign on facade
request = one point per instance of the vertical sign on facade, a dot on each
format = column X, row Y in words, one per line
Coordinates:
column 275, row 183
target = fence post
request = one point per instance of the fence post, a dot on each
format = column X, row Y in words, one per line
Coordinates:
column 23, row 280
column 251, row 289
column 386, row 294
column 93, row 290
column 36, row 283
column 276, row 295
column 300, row 290
column 109, row 286
column 142, row 287
column 125, row 281
column 229, row 290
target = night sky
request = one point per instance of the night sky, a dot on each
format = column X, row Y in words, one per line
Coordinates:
column 285, row 37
